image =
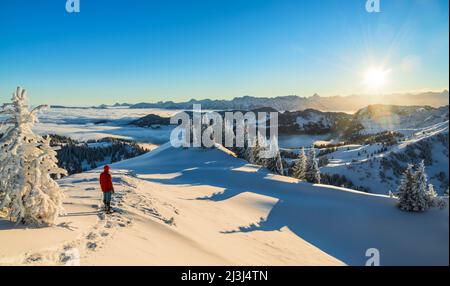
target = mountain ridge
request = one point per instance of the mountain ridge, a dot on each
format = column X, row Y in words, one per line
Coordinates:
column 297, row 103
column 348, row 103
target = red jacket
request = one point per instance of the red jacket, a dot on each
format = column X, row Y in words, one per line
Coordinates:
column 106, row 182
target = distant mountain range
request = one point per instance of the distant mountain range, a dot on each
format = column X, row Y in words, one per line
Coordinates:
column 295, row 103
column 368, row 120
column 350, row 103
column 371, row 119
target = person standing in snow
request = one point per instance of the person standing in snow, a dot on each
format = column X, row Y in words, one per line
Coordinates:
column 107, row 187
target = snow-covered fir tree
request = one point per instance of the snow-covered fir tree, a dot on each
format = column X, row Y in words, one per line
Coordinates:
column 249, row 146
column 434, row 200
column 422, row 185
column 29, row 193
column 415, row 195
column 248, row 154
column 299, row 169
column 275, row 164
column 407, row 191
column 242, row 151
column 432, row 196
column 280, row 164
column 255, row 153
column 312, row 173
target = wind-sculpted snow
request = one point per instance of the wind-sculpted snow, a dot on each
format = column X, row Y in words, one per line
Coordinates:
column 205, row 207
column 340, row 222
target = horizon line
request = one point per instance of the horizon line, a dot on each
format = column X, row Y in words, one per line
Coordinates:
column 413, row 92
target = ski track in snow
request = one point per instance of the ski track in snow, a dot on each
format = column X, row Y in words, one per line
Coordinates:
column 128, row 197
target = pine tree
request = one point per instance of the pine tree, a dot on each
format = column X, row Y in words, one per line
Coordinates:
column 248, row 149
column 406, row 190
column 241, row 152
column 275, row 164
column 299, row 169
column 414, row 193
column 279, row 164
column 255, row 152
column 432, row 196
column 27, row 189
column 423, row 199
column 434, row 200
column 248, row 154
column 312, row 173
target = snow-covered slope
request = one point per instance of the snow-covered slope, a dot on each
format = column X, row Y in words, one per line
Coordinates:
column 205, row 207
column 378, row 168
column 369, row 120
column 379, row 118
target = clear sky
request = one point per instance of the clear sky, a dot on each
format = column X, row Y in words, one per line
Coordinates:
column 134, row 51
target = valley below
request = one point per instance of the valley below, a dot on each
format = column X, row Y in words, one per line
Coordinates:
column 367, row 150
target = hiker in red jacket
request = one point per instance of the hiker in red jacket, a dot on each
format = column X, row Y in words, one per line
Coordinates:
column 107, row 187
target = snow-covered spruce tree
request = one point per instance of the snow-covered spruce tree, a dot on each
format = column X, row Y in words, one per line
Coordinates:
column 259, row 144
column 422, row 187
column 413, row 191
column 28, row 162
column 432, row 196
column 248, row 155
column 312, row 173
column 434, row 200
column 248, row 149
column 280, row 164
column 299, row 169
column 275, row 164
column 407, row 190
column 255, row 154
column 241, row 151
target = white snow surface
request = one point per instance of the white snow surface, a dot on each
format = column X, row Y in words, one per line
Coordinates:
column 352, row 162
column 403, row 118
column 205, row 207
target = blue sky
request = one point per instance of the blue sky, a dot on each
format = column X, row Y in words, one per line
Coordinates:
column 134, row 51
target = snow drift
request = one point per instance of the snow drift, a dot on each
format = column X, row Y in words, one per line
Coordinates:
column 205, row 207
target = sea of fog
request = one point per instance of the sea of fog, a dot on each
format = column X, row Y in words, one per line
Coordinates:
column 92, row 124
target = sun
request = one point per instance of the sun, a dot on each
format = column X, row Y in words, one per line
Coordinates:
column 375, row 78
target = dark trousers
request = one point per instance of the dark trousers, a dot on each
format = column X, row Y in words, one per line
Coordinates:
column 107, row 199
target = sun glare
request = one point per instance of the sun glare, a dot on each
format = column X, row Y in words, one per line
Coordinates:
column 375, row 78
